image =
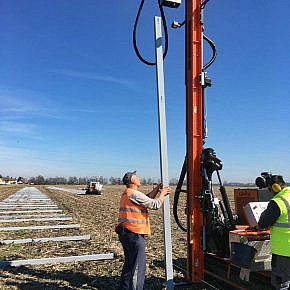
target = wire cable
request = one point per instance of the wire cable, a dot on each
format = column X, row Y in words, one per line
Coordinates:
column 177, row 193
column 214, row 52
column 135, row 33
column 209, row 41
column 204, row 3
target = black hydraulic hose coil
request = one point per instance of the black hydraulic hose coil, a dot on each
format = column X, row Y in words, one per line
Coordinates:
column 214, row 52
column 176, row 196
column 135, row 33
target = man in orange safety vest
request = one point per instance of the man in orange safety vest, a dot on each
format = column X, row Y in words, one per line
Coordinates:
column 133, row 225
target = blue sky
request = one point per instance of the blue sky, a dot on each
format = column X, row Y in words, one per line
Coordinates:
column 76, row 101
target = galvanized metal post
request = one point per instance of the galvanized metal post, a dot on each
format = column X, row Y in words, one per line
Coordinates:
column 163, row 152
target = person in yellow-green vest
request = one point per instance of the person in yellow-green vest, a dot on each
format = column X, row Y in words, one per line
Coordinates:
column 277, row 217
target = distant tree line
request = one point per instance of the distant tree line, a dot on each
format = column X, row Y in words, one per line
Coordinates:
column 73, row 180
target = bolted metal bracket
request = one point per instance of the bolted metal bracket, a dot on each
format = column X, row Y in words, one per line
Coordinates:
column 205, row 80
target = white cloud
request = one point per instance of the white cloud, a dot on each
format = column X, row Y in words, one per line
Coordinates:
column 13, row 152
column 99, row 77
column 18, row 127
column 20, row 103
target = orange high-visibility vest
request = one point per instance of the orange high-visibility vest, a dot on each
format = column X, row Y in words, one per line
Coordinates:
column 132, row 216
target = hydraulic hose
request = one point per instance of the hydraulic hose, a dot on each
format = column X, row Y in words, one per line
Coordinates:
column 209, row 41
column 214, row 52
column 226, row 202
column 204, row 3
column 177, row 194
column 135, row 33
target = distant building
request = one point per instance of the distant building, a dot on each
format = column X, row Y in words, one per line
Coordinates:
column 2, row 180
column 7, row 180
column 21, row 180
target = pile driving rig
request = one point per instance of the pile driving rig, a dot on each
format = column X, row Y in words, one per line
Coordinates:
column 212, row 229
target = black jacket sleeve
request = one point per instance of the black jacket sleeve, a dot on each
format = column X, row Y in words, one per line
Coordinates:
column 269, row 215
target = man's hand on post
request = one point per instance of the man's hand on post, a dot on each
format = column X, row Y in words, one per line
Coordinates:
column 165, row 191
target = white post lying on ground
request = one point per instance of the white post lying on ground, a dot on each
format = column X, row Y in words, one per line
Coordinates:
column 8, row 217
column 16, row 263
column 30, row 211
column 44, row 240
column 45, row 219
column 53, row 227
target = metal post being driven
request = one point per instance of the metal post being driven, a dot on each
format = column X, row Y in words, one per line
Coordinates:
column 163, row 152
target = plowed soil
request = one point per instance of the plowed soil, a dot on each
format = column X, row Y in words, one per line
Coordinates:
column 97, row 215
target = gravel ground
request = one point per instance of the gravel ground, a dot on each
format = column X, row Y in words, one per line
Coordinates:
column 97, row 216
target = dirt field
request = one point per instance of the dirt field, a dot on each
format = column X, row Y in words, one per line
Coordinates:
column 97, row 216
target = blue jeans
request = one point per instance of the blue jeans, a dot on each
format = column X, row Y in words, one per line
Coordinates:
column 133, row 272
column 280, row 279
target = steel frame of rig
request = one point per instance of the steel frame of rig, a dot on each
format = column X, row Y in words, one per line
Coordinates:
column 194, row 138
column 209, row 223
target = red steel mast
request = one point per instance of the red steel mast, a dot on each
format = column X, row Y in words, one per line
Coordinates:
column 194, row 129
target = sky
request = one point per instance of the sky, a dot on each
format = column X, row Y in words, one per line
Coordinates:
column 76, row 101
